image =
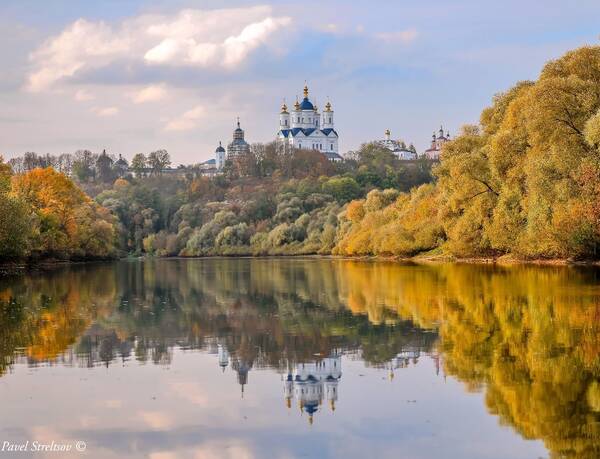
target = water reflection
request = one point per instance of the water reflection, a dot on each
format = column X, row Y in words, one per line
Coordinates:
column 528, row 337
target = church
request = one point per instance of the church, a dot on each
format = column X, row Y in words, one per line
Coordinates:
column 305, row 128
column 238, row 147
column 433, row 152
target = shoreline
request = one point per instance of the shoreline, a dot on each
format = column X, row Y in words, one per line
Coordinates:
column 8, row 268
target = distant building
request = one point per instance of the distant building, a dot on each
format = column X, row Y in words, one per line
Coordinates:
column 121, row 166
column 179, row 171
column 305, row 128
column 433, row 152
column 220, row 155
column 398, row 147
column 333, row 157
column 238, row 145
column 209, row 168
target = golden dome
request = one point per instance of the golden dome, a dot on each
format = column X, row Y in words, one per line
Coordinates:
column 297, row 105
column 284, row 108
column 328, row 107
column 387, row 132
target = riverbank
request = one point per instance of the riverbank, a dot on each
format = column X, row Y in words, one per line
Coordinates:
column 14, row 268
column 11, row 268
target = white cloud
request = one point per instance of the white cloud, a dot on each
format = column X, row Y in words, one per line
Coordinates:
column 83, row 95
column 401, row 36
column 196, row 38
column 82, row 44
column 189, row 120
column 152, row 93
column 105, row 111
column 199, row 38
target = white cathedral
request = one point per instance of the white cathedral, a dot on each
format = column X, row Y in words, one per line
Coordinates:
column 306, row 128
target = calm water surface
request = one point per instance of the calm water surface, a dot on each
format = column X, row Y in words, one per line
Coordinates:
column 286, row 358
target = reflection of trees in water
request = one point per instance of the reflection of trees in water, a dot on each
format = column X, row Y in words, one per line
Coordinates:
column 529, row 336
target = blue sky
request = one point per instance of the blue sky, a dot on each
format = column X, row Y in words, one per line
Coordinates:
column 133, row 76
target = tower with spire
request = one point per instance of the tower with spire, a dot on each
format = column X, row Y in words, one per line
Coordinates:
column 220, row 157
column 307, row 129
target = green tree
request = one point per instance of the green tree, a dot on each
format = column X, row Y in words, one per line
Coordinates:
column 158, row 161
column 139, row 164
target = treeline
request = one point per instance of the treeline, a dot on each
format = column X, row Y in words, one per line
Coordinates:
column 525, row 182
column 88, row 167
column 270, row 201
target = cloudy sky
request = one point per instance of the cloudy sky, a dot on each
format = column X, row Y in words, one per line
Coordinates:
column 133, row 76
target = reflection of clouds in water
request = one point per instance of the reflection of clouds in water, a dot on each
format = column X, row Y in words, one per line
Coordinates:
column 156, row 419
column 87, row 422
column 162, row 455
column 223, row 450
column 192, row 392
column 111, row 403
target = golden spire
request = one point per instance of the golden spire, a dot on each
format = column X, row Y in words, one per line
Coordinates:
column 305, row 90
column 284, row 107
column 332, row 404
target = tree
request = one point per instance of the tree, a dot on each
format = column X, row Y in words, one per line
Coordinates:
column 83, row 165
column 158, row 160
column 14, row 219
column 139, row 164
column 67, row 223
column 343, row 189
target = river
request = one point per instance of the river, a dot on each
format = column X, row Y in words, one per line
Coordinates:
column 286, row 358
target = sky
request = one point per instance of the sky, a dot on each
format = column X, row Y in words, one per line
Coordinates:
column 133, row 76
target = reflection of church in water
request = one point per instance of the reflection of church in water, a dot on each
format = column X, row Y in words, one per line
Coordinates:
column 312, row 383
column 315, row 384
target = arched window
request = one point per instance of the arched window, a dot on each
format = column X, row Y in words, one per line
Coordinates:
column 332, row 147
column 330, row 120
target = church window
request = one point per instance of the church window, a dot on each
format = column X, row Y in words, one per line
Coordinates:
column 331, row 146
column 330, row 120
